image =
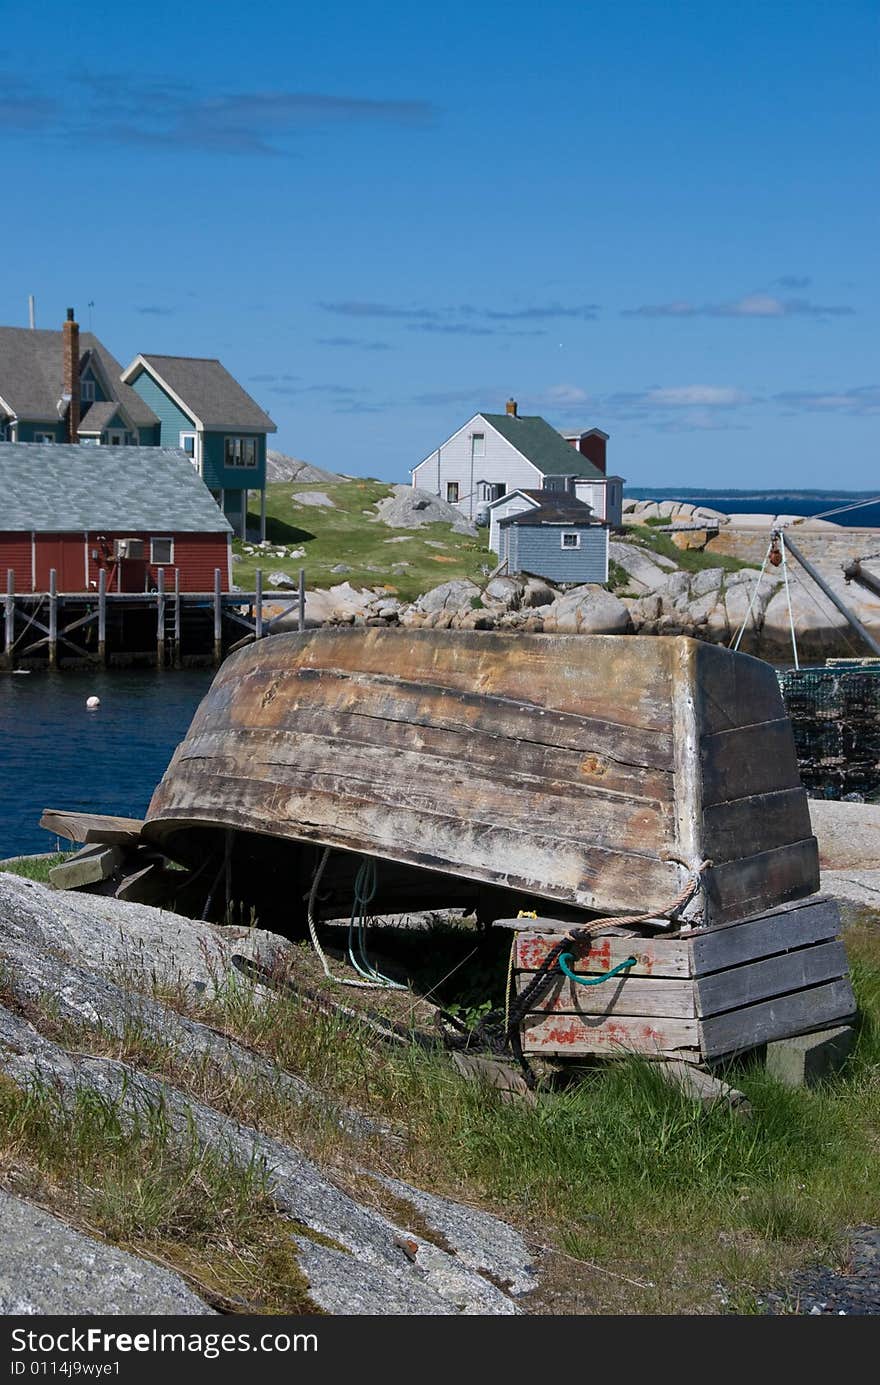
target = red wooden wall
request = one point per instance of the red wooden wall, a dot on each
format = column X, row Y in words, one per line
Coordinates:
column 195, row 556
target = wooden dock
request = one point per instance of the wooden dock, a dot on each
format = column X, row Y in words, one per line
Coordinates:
column 164, row 628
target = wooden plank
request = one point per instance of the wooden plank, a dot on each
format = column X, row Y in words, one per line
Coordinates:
column 625, row 994
column 748, row 760
column 733, row 691
column 779, row 1018
column 701, row 1086
column 92, row 827
column 655, row 957
column 772, row 976
column 565, row 673
column 517, row 858
column 734, row 943
column 759, row 823
column 572, row 1035
column 87, row 867
column 422, row 783
column 278, row 700
column 739, row 888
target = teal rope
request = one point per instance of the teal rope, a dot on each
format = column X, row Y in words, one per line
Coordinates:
column 365, row 885
column 566, row 960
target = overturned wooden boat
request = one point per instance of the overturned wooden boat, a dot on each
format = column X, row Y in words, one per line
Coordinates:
column 596, row 772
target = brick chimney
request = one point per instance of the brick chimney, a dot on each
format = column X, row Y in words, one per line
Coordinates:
column 590, row 445
column 511, row 408
column 70, row 374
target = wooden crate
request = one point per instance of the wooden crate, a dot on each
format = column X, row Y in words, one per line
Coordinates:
column 703, row 996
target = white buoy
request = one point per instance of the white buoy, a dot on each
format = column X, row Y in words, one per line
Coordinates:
column 92, row 703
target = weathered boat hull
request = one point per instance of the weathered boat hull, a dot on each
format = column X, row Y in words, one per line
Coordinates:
column 592, row 771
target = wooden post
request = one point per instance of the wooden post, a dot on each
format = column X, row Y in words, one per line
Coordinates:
column 177, row 617
column 263, row 515
column 258, row 604
column 53, row 619
column 160, row 620
column 102, row 617
column 218, row 623
column 10, row 617
column 302, row 598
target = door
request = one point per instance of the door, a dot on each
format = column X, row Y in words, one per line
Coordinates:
column 66, row 554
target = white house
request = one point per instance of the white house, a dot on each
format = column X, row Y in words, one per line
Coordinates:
column 493, row 454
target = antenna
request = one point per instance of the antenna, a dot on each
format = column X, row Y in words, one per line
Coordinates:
column 91, row 305
column 31, row 311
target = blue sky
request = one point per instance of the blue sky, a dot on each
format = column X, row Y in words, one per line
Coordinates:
column 658, row 219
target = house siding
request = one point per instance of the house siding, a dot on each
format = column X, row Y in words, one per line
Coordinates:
column 26, row 430
column 15, row 553
column 218, row 476
column 502, row 465
column 172, row 420
column 512, row 505
column 195, row 557
column 538, row 549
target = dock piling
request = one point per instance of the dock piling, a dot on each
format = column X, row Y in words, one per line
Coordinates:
column 9, row 641
column 53, row 618
column 102, row 617
column 218, row 622
column 176, row 652
column 160, row 619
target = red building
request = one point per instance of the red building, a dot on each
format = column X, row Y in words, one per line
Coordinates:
column 129, row 511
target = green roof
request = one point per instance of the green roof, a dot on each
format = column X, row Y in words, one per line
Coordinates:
column 543, row 446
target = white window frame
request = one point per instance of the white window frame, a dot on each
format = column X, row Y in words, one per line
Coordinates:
column 478, row 451
column 44, row 437
column 161, row 562
column 453, row 500
column 569, row 534
column 87, row 391
column 243, row 440
column 119, row 434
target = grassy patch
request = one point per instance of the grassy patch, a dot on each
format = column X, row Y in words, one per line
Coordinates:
column 347, row 533
column 647, row 1202
column 620, row 1173
column 687, row 559
column 138, row 1185
column 35, row 867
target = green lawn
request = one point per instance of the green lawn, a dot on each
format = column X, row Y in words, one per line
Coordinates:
column 346, row 534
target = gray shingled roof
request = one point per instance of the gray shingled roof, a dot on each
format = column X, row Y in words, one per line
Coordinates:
column 31, row 372
column 554, row 508
column 98, row 416
column 209, row 392
column 543, row 446
column 54, row 488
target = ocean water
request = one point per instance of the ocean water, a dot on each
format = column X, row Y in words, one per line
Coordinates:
column 775, row 502
column 54, row 753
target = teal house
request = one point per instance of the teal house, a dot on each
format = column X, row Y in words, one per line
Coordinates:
column 65, row 386
column 203, row 410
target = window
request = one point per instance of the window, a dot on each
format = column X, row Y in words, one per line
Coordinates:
column 161, row 551
column 495, row 490
column 44, row 437
column 571, row 540
column 478, row 445
column 115, row 439
column 87, row 391
column 241, row 452
column 554, row 483
column 452, row 492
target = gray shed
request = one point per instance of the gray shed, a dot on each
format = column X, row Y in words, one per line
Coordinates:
column 559, row 539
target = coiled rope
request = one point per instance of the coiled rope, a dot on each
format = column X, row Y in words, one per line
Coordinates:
column 365, row 885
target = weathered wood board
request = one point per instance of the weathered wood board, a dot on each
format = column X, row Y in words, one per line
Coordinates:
column 591, row 771
column 713, row 993
column 92, row 827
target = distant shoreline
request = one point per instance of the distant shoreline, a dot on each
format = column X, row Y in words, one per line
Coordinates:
column 791, row 502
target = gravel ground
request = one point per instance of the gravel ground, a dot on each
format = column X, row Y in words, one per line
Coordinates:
column 854, row 1289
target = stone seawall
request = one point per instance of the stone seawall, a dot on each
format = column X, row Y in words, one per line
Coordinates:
column 827, row 548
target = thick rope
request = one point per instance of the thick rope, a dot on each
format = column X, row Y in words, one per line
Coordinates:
column 382, row 984
column 543, row 978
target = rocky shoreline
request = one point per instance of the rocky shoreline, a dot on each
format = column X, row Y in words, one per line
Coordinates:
column 650, row 593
